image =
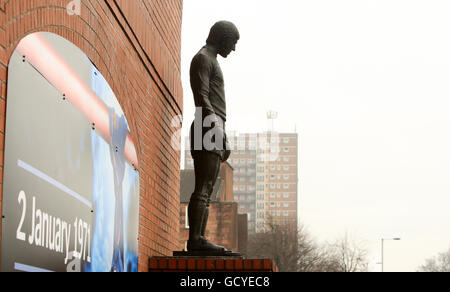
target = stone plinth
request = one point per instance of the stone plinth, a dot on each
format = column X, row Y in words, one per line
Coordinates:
column 211, row 264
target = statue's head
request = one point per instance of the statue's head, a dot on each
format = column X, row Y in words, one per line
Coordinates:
column 224, row 35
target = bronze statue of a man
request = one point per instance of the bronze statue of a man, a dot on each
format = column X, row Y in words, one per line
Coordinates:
column 209, row 145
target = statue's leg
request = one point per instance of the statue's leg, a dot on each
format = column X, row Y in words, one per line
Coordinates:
column 204, row 222
column 205, row 165
column 206, row 214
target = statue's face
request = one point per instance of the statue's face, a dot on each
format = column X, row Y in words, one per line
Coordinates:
column 228, row 45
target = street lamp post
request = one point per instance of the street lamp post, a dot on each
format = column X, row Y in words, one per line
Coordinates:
column 382, row 250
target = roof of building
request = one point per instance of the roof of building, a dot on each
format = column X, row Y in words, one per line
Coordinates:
column 187, row 186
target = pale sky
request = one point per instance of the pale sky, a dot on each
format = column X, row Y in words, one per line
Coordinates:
column 366, row 83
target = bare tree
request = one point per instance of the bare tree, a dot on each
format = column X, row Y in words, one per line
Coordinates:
column 313, row 257
column 292, row 249
column 279, row 242
column 349, row 254
column 440, row 263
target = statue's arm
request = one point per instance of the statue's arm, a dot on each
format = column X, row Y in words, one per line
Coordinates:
column 201, row 69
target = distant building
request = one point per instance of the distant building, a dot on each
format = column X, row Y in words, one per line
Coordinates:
column 265, row 177
column 225, row 226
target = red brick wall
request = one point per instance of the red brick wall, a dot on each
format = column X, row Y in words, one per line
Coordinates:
column 222, row 228
column 136, row 46
column 226, row 173
column 242, row 233
column 184, row 230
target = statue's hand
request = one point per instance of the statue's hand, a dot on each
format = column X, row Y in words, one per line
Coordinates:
column 226, row 156
column 227, row 148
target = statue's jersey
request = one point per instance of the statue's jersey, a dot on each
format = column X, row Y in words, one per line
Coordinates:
column 207, row 84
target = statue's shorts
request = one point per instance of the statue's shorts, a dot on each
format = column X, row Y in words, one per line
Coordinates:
column 207, row 161
column 205, row 139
